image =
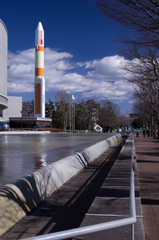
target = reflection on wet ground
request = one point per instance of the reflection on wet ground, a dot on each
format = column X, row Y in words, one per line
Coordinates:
column 20, row 155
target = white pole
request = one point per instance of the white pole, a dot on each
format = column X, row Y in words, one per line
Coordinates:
column 70, row 115
column 74, row 116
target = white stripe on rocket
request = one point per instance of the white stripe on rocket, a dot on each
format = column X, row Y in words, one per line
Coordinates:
column 39, row 59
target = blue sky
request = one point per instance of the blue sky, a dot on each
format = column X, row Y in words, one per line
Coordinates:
column 81, row 56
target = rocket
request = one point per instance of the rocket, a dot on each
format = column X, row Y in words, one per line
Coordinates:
column 39, row 98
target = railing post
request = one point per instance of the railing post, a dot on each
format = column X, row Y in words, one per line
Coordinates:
column 132, row 231
column 132, row 190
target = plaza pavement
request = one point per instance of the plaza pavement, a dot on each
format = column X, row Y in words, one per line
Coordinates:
column 147, row 157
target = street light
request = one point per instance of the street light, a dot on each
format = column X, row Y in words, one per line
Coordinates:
column 21, row 120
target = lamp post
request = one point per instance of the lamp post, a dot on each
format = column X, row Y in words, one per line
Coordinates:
column 21, row 120
column 70, row 113
column 74, row 117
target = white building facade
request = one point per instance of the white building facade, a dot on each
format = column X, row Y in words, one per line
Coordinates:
column 14, row 107
column 3, row 66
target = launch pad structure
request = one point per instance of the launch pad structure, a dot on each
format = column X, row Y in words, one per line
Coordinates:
column 30, row 123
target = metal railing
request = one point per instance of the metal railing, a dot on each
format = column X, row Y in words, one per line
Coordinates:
column 102, row 226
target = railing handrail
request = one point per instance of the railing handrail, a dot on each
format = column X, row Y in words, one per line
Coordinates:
column 101, row 226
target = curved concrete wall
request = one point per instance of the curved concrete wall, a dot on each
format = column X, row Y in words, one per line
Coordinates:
column 20, row 197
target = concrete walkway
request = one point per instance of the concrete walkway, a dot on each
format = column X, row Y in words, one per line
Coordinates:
column 112, row 201
column 147, row 156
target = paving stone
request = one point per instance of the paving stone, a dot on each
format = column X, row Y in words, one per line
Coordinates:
column 113, row 192
column 117, row 182
column 119, row 233
column 116, row 191
column 118, row 206
column 27, row 235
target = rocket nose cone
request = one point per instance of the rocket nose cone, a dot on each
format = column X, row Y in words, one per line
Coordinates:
column 39, row 35
column 39, row 27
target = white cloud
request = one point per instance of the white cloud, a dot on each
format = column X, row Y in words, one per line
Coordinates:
column 103, row 78
column 107, row 68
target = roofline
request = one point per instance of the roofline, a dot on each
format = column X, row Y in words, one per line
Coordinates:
column 4, row 26
column 30, row 119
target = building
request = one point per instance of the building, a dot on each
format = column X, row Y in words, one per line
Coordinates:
column 14, row 107
column 9, row 106
column 128, row 118
column 3, row 67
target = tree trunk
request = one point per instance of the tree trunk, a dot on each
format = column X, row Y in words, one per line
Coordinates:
column 151, row 126
column 158, row 130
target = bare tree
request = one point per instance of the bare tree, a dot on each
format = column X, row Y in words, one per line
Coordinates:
column 139, row 15
column 28, row 108
column 143, row 66
column 143, row 62
column 91, row 108
column 62, row 106
column 147, row 102
column 108, row 114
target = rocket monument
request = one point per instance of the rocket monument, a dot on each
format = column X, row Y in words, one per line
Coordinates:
column 39, row 83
